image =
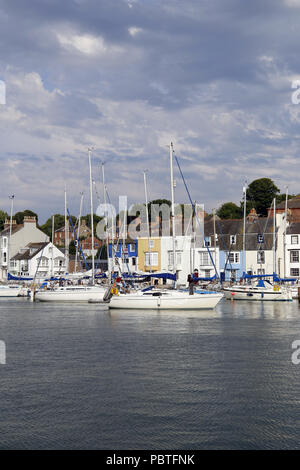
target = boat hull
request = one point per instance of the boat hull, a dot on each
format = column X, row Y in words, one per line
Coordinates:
column 82, row 295
column 11, row 292
column 145, row 302
column 258, row 294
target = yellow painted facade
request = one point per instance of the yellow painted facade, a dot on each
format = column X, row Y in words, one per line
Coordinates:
column 143, row 248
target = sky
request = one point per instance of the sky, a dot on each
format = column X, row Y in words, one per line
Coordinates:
column 128, row 77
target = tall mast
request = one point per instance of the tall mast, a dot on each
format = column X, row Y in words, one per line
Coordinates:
column 147, row 217
column 274, row 235
column 92, row 215
column 172, row 205
column 215, row 241
column 66, row 234
column 106, row 234
column 78, row 231
column 284, row 235
column 10, row 232
column 52, row 266
column 244, row 228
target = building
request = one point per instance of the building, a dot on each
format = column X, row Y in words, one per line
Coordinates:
column 22, row 234
column 38, row 260
column 125, row 256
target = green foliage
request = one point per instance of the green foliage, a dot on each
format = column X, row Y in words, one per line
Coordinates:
column 72, row 248
column 19, row 216
column 229, row 210
column 260, row 194
column 59, row 222
column 3, row 216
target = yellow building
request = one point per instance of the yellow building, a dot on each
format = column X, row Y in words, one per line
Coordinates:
column 149, row 257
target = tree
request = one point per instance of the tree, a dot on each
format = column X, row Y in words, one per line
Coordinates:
column 260, row 194
column 19, row 216
column 229, row 210
column 59, row 222
column 3, row 216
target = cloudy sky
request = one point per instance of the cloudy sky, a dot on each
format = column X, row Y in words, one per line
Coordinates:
column 129, row 76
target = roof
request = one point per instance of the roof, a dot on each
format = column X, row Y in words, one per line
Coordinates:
column 14, row 229
column 293, row 203
column 294, row 227
column 28, row 254
column 226, row 227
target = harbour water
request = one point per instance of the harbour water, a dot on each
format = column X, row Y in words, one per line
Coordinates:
column 77, row 377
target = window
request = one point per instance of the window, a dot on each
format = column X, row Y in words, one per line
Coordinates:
column 260, row 272
column 260, row 238
column 204, row 258
column 4, row 257
column 234, row 258
column 207, row 241
column 294, row 256
column 260, row 257
column 151, row 259
column 133, row 261
column 43, row 261
column 294, row 272
column 4, row 242
column 132, row 247
column 294, row 240
column 170, row 257
column 207, row 273
column 151, row 243
column 232, row 239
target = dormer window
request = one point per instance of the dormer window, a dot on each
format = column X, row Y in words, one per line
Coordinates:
column 294, row 240
column 232, row 239
column 207, row 241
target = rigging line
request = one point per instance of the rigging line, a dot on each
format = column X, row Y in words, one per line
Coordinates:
column 194, row 211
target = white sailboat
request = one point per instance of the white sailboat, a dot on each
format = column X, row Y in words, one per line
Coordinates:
column 76, row 293
column 260, row 291
column 166, row 299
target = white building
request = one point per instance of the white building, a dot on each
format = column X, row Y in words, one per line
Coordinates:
column 39, row 260
column 22, row 234
column 292, row 250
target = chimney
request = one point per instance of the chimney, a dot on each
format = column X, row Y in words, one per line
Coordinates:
column 7, row 223
column 29, row 219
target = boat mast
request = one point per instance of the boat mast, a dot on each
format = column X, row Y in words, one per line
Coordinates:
column 284, row 235
column 52, row 267
column 172, row 206
column 215, row 241
column 147, row 217
column 92, row 215
column 274, row 235
column 10, row 231
column 66, row 234
column 78, row 232
column 106, row 232
column 244, row 228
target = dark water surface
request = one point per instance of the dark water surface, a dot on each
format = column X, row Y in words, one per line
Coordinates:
column 80, row 378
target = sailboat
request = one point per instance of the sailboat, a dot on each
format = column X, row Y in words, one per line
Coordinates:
column 264, row 290
column 166, row 299
column 10, row 290
column 76, row 293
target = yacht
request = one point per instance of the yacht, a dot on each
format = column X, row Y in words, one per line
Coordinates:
column 165, row 299
column 71, row 294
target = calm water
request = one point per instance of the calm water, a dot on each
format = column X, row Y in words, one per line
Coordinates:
column 80, row 378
